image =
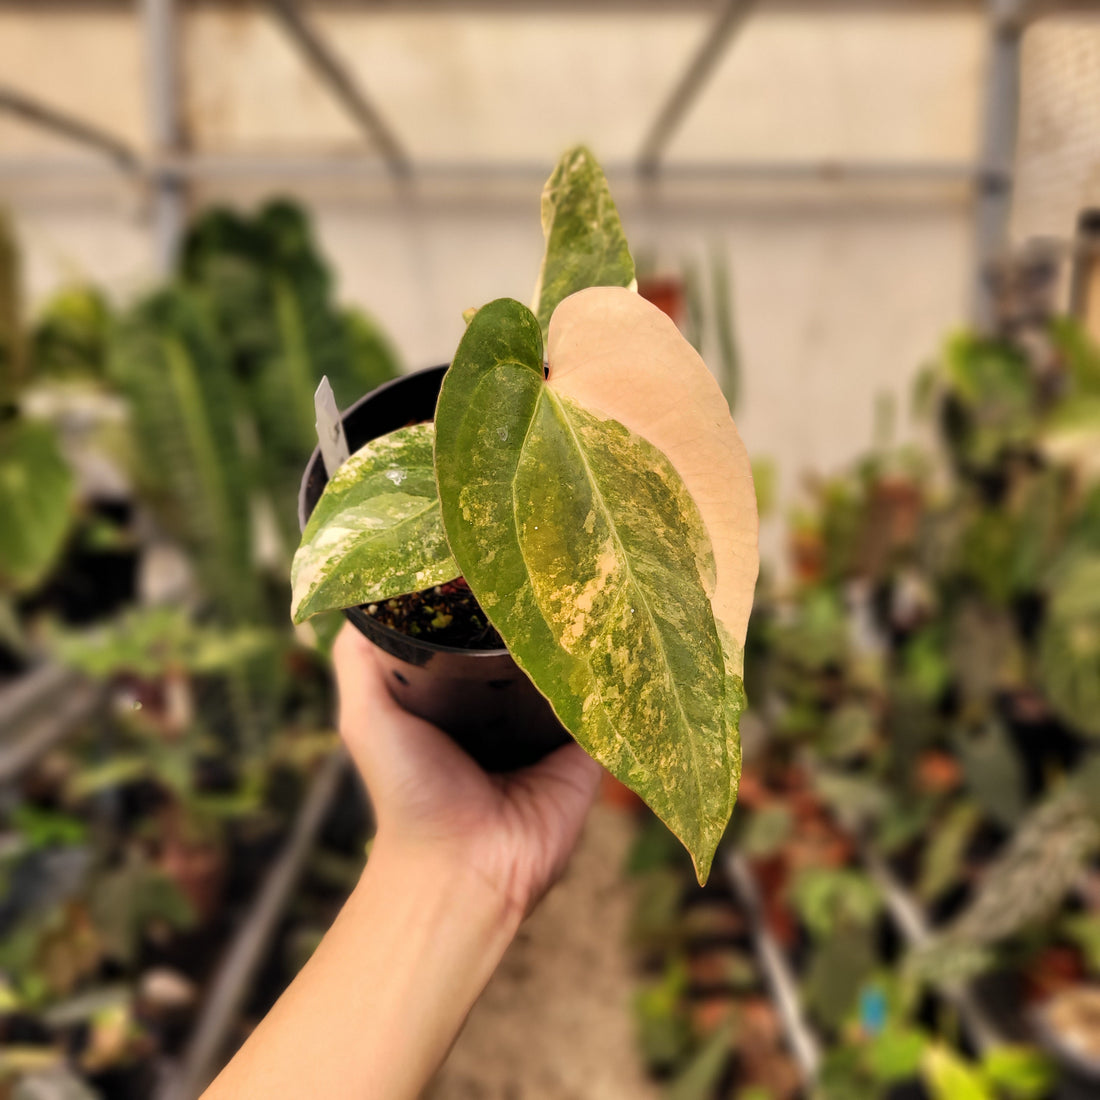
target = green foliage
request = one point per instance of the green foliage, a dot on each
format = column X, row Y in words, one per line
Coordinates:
column 817, row 636
column 944, row 857
column 269, row 297
column 664, row 1034
column 1006, row 1073
column 128, row 899
column 584, row 544
column 950, row 1078
column 699, row 1078
column 152, row 642
column 1083, row 929
column 1079, row 355
column 766, row 831
column 1028, row 882
column 588, row 554
column 837, row 974
column 994, row 774
column 168, row 362
column 36, row 500
column 585, row 243
column 39, row 828
column 654, row 848
column 992, row 393
column 377, row 530
column 71, row 336
column 829, row 899
column 1069, row 649
column 1019, row 1073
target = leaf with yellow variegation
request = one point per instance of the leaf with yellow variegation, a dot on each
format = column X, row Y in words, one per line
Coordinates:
column 376, row 531
column 585, row 242
column 605, row 519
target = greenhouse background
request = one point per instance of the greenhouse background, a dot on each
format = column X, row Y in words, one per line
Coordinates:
column 878, row 221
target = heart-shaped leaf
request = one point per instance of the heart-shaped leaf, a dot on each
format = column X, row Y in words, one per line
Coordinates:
column 583, row 511
column 376, row 531
column 585, row 242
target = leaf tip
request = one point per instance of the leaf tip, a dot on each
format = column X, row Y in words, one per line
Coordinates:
column 702, row 866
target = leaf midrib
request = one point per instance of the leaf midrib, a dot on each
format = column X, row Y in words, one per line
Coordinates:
column 545, row 392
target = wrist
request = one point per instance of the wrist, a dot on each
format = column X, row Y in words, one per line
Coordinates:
column 437, row 877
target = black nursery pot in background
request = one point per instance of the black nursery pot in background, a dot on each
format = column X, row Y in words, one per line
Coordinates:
column 478, row 696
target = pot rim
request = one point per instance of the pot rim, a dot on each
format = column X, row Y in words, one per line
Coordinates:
column 304, row 511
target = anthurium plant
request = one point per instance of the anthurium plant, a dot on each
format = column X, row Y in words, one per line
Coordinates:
column 601, row 509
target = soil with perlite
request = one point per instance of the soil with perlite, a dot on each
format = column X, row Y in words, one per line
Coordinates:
column 447, row 614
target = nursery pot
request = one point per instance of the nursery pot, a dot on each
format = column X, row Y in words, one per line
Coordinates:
column 479, row 696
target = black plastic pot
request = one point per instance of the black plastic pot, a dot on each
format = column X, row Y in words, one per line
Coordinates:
column 480, row 697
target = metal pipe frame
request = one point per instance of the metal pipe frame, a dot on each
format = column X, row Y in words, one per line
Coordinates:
column 343, row 86
column 1007, row 20
column 713, row 48
column 169, row 198
column 204, row 168
column 30, row 110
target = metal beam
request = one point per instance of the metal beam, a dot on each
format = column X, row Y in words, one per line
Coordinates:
column 162, row 95
column 781, row 981
column 342, row 84
column 729, row 22
column 244, row 166
column 993, row 206
column 69, row 126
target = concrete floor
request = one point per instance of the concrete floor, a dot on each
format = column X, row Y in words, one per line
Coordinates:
column 555, row 1021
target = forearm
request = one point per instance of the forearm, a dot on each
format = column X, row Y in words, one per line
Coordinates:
column 374, row 1011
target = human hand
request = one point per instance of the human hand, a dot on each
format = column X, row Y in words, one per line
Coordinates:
column 433, row 803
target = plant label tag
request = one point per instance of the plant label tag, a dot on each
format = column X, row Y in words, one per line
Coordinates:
column 330, row 428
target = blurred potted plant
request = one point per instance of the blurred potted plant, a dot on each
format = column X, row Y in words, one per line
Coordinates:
column 36, row 485
column 601, row 511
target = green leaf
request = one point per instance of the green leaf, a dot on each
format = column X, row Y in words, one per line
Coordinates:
column 895, row 1054
column 994, row 774
column 1084, row 930
column 36, row 494
column 699, row 1078
column 836, row 974
column 1071, row 434
column 1069, row 646
column 1019, row 1073
column 828, row 899
column 1079, row 353
column 766, row 831
column 45, row 828
column 170, row 363
column 943, row 858
column 585, row 243
column 1027, row 882
column 659, row 1017
column 71, row 334
column 950, row 1078
column 376, row 531
column 589, row 552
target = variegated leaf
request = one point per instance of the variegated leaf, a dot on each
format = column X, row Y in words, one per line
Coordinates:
column 585, row 243
column 376, row 531
column 594, row 555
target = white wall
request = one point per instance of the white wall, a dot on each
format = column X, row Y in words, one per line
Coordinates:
column 840, row 292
